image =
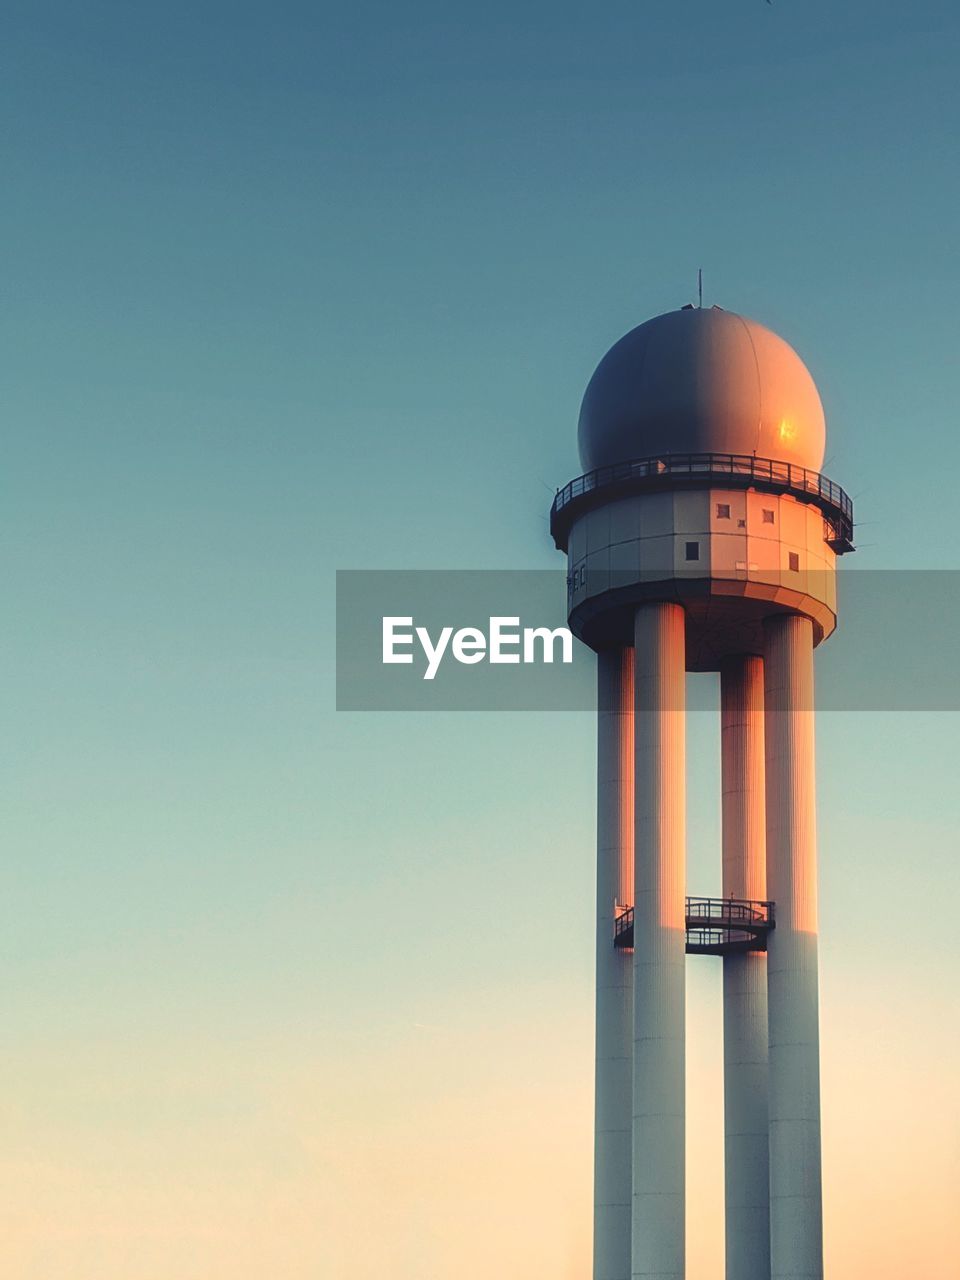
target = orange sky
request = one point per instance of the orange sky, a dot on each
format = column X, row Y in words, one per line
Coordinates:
column 428, row 1151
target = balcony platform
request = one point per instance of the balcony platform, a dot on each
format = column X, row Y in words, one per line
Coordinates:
column 715, row 926
column 704, row 470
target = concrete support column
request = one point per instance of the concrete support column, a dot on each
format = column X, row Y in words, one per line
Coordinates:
column 659, row 944
column 744, row 976
column 796, row 1229
column 612, row 1168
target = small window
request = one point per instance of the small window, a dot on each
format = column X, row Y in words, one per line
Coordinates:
column 693, row 550
column 767, row 516
column 723, row 510
column 741, row 524
column 794, row 562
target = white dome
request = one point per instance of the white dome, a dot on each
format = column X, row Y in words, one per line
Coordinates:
column 701, row 381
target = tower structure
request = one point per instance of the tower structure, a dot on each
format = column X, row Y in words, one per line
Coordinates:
column 702, row 537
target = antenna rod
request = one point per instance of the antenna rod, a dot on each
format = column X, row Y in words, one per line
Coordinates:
column 700, row 285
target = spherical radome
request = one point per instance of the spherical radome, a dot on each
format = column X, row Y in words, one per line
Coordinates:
column 701, row 381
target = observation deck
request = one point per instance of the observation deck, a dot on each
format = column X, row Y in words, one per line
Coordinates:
column 699, row 470
column 715, row 926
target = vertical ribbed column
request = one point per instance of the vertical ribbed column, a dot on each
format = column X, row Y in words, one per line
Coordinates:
column 796, row 1229
column 746, row 1136
column 659, row 944
column 612, row 1171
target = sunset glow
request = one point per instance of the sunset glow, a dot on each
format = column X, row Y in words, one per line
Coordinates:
column 298, row 986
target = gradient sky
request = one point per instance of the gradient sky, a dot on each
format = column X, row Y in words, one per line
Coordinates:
column 293, row 288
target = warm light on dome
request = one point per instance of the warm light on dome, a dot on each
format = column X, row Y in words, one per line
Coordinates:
column 701, row 381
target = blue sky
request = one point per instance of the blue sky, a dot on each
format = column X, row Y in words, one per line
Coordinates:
column 295, row 288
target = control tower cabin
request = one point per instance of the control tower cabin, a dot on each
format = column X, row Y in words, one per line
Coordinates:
column 702, row 537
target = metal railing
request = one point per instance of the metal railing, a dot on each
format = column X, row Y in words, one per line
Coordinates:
column 728, row 911
column 671, row 470
column 714, row 926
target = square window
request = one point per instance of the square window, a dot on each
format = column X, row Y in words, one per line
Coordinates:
column 767, row 516
column 741, row 524
column 794, row 562
column 693, row 550
column 723, row 510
